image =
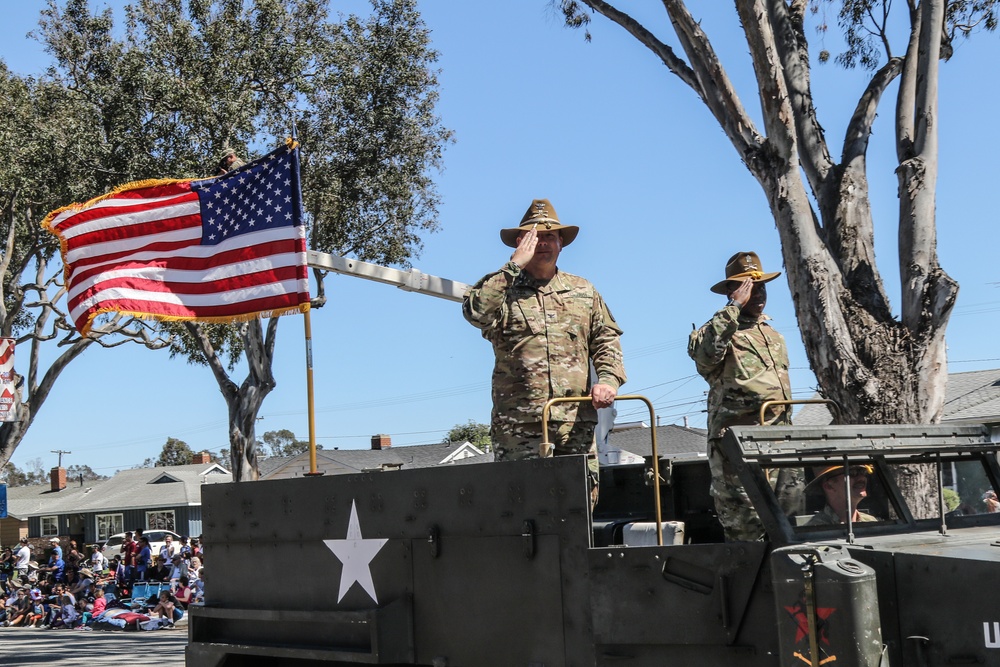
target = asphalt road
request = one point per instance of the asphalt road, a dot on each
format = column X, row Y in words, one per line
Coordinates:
column 26, row 647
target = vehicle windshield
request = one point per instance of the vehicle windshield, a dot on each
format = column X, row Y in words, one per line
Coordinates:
column 875, row 493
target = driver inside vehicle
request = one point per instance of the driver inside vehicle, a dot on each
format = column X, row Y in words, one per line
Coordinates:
column 830, row 481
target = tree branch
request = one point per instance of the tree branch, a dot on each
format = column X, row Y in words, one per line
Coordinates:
column 928, row 292
column 226, row 386
column 779, row 122
column 714, row 86
column 793, row 50
column 260, row 351
column 649, row 40
column 906, row 97
column 860, row 128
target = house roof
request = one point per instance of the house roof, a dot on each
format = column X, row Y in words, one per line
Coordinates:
column 672, row 441
column 345, row 461
column 169, row 486
column 973, row 396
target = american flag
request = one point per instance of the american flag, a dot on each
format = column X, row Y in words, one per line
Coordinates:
column 219, row 249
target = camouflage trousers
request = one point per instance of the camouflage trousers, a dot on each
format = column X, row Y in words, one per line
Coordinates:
column 518, row 441
column 513, row 442
column 732, row 505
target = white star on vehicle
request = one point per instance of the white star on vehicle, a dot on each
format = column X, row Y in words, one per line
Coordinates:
column 356, row 554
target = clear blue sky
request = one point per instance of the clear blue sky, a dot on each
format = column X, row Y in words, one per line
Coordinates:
column 622, row 149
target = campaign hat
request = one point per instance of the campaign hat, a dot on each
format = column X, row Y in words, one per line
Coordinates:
column 825, row 472
column 543, row 214
column 740, row 266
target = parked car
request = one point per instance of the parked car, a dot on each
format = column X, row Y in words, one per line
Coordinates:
column 157, row 538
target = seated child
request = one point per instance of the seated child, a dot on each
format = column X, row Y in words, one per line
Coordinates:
column 164, row 608
column 69, row 617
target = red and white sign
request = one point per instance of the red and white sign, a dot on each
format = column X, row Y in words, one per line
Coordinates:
column 8, row 397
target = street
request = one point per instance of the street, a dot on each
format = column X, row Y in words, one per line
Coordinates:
column 74, row 648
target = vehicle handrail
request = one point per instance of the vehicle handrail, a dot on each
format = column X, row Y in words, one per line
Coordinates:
column 546, row 448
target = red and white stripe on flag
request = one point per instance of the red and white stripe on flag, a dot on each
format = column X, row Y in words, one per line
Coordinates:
column 8, row 396
column 221, row 249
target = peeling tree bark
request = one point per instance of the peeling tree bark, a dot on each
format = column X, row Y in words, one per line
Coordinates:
column 880, row 369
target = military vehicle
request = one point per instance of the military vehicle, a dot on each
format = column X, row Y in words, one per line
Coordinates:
column 505, row 564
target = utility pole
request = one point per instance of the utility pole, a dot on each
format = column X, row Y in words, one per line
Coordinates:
column 60, row 452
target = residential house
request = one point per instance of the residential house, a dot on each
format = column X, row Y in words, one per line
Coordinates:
column 381, row 457
column 672, row 441
column 972, row 397
column 88, row 512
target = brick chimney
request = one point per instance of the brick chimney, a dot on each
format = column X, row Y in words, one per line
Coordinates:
column 57, row 479
column 381, row 441
column 201, row 457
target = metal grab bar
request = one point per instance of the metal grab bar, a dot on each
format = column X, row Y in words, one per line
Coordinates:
column 546, row 449
column 836, row 406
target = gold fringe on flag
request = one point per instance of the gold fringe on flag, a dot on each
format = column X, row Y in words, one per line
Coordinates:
column 228, row 319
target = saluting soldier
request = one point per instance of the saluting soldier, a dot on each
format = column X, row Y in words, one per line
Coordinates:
column 228, row 161
column 545, row 326
column 745, row 362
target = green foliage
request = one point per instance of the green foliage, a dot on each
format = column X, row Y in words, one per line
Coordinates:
column 284, row 443
column 32, row 475
column 76, row 472
column 45, row 140
column 191, row 78
column 472, row 432
column 867, row 27
column 373, row 137
column 175, row 453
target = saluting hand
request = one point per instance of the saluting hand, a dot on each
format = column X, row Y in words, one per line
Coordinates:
column 525, row 248
column 741, row 295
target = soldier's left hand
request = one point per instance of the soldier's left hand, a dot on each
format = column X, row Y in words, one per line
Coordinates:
column 603, row 395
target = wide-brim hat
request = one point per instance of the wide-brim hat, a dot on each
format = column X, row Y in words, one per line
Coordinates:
column 740, row 266
column 540, row 213
column 87, row 572
column 825, row 472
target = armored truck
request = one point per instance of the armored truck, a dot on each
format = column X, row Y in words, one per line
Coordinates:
column 508, row 565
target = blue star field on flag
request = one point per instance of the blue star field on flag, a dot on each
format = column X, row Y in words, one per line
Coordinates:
column 255, row 197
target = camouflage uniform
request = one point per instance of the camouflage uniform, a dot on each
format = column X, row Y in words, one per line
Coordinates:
column 745, row 363
column 543, row 334
column 829, row 518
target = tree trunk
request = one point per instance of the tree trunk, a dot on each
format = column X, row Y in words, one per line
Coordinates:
column 879, row 369
column 11, row 433
column 243, row 402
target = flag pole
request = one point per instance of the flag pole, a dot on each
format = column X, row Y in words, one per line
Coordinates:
column 313, row 472
column 309, row 398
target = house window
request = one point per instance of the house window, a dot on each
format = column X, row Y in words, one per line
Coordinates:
column 50, row 526
column 108, row 525
column 162, row 520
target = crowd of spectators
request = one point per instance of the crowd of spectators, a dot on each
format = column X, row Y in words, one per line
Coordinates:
column 65, row 588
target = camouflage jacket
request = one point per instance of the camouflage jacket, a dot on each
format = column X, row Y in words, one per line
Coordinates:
column 543, row 334
column 829, row 518
column 745, row 363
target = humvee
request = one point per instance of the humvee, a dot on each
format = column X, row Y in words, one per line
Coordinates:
column 505, row 564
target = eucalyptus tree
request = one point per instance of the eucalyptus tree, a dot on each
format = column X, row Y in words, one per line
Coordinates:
column 877, row 367
column 188, row 79
column 52, row 156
